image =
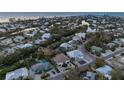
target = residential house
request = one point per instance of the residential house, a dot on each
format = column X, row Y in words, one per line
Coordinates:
column 118, row 42
column 76, row 38
column 6, row 42
column 16, row 74
column 59, row 59
column 111, row 45
column 2, row 30
column 29, row 29
column 8, row 51
column 122, row 40
column 107, row 52
column 121, row 59
column 96, row 49
column 63, row 62
column 46, row 36
column 90, row 76
column 71, row 42
column 65, row 46
column 38, row 41
column 91, row 30
column 28, row 45
column 31, row 33
column 105, row 71
column 41, row 66
column 76, row 54
column 18, row 39
column 81, row 35
column 2, row 38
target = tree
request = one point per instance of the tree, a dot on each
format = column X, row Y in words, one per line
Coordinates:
column 47, row 52
column 73, row 74
column 98, row 53
column 122, row 54
column 99, row 62
column 113, row 48
column 88, row 46
column 116, row 75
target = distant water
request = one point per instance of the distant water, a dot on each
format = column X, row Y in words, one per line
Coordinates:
column 5, row 15
column 15, row 14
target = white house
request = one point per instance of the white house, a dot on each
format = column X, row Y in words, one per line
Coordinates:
column 8, row 51
column 18, row 38
column 65, row 45
column 16, row 74
column 76, row 38
column 38, row 41
column 2, row 30
column 122, row 40
column 122, row 59
column 29, row 29
column 91, row 30
column 105, row 71
column 6, row 41
column 31, row 33
column 46, row 36
column 28, row 45
column 75, row 54
column 81, row 35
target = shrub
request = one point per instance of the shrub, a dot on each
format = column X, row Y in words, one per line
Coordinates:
column 99, row 62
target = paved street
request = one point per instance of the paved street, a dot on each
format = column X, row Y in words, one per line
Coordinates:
column 113, row 54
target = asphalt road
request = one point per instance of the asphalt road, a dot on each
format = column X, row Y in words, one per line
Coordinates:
column 113, row 54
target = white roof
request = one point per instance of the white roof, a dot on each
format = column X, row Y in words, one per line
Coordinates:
column 104, row 70
column 122, row 59
column 122, row 39
column 6, row 41
column 28, row 29
column 9, row 50
column 81, row 35
column 2, row 30
column 22, row 72
column 38, row 41
column 75, row 38
column 18, row 38
column 91, row 30
column 107, row 52
column 46, row 36
column 65, row 45
column 24, row 45
column 75, row 54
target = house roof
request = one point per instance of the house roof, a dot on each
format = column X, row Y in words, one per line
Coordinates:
column 60, row 58
column 46, row 36
column 76, row 38
column 117, row 42
column 2, row 30
column 122, row 40
column 81, row 35
column 42, row 66
column 91, row 30
column 111, row 44
column 96, row 48
column 17, row 73
column 75, row 54
column 104, row 70
column 91, row 75
column 24, row 45
column 65, row 45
